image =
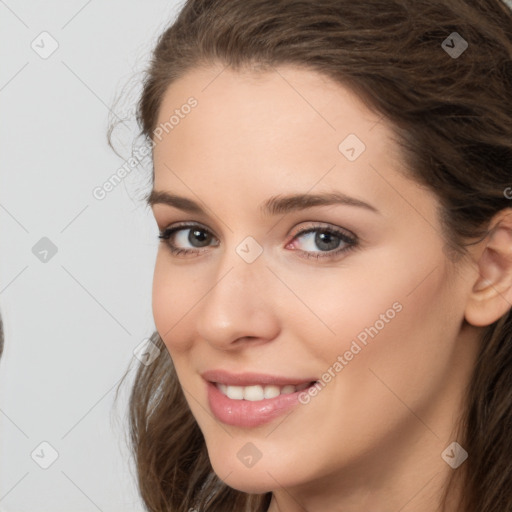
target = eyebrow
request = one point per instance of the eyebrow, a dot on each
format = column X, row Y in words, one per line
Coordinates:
column 275, row 205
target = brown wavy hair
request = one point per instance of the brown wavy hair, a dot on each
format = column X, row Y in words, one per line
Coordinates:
column 453, row 121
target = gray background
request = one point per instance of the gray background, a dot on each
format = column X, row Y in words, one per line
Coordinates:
column 72, row 319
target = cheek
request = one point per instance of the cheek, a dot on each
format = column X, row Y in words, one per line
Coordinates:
column 173, row 299
column 403, row 342
column 386, row 314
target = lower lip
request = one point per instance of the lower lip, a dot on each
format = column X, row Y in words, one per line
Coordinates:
column 246, row 413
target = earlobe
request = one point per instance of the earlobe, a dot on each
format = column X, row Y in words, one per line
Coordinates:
column 491, row 295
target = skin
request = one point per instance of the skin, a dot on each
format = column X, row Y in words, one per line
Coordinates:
column 372, row 438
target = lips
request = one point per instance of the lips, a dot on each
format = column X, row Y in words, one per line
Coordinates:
column 251, row 399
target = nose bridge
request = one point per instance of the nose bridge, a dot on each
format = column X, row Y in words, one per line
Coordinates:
column 239, row 302
column 240, row 272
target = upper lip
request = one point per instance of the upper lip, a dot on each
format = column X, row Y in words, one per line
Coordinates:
column 251, row 379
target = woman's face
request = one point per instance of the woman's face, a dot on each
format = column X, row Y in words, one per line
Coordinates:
column 347, row 285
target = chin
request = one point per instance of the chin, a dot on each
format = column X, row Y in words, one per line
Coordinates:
column 249, row 482
column 252, row 480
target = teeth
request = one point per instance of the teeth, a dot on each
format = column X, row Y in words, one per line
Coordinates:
column 271, row 391
column 258, row 392
column 235, row 392
column 252, row 393
column 287, row 390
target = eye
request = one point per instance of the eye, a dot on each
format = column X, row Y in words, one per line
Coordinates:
column 326, row 239
column 179, row 235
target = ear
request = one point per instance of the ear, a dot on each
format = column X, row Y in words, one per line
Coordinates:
column 491, row 296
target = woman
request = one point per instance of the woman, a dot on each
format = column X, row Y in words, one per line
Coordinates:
column 332, row 292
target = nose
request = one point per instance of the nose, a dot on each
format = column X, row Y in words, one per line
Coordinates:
column 240, row 307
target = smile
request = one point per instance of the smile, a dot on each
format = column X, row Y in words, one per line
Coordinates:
column 259, row 392
column 250, row 400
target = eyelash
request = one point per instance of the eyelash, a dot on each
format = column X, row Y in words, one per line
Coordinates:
column 352, row 242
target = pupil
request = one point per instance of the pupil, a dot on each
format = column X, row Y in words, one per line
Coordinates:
column 326, row 238
column 200, row 236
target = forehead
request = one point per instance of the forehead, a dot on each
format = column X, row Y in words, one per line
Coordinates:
column 289, row 128
column 281, row 104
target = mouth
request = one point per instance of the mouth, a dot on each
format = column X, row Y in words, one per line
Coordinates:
column 258, row 392
column 251, row 400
